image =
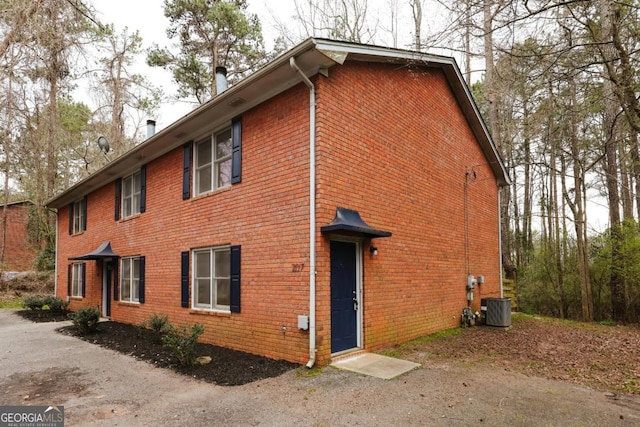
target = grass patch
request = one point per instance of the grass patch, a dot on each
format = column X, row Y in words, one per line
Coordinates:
column 12, row 303
column 312, row 372
column 398, row 350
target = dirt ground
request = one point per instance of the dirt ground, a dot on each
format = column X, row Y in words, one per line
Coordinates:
column 97, row 386
column 539, row 372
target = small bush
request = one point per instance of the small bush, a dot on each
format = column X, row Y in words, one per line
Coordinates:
column 86, row 319
column 34, row 303
column 56, row 304
column 182, row 342
column 158, row 324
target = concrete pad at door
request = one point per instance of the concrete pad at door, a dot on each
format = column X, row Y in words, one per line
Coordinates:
column 375, row 365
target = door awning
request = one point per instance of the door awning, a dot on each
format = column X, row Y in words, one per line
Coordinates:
column 348, row 221
column 103, row 251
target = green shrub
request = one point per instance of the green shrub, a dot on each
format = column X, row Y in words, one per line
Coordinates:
column 34, row 303
column 182, row 342
column 56, row 304
column 158, row 324
column 86, row 319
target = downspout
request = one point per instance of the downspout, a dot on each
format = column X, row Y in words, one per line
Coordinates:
column 312, row 213
column 55, row 263
column 500, row 239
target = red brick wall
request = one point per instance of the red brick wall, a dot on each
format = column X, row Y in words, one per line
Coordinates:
column 19, row 255
column 392, row 144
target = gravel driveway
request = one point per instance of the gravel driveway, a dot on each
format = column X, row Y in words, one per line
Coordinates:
column 100, row 387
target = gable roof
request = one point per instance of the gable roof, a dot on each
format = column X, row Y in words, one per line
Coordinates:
column 312, row 56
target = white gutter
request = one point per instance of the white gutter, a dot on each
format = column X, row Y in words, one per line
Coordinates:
column 312, row 213
column 55, row 264
column 500, row 239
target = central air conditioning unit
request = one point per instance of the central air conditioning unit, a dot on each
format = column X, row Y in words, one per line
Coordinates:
column 497, row 312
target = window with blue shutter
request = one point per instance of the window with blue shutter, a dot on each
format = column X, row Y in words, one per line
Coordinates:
column 236, row 154
column 184, row 282
column 116, row 281
column 118, row 191
column 84, row 280
column 143, row 188
column 69, row 278
column 235, row 279
column 141, row 281
column 84, row 216
column 71, row 219
column 186, row 170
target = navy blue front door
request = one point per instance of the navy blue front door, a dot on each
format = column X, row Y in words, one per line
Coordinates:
column 344, row 297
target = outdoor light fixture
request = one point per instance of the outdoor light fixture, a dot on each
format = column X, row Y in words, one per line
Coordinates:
column 373, row 250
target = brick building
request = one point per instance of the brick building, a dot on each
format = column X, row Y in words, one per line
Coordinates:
column 336, row 199
column 18, row 255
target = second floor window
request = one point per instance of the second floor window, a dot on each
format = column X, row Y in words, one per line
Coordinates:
column 78, row 216
column 213, row 162
column 131, row 195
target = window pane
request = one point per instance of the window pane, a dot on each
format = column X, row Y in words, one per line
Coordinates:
column 223, row 144
column 203, row 179
column 203, row 292
column 203, row 269
column 203, row 154
column 135, row 290
column 135, row 204
column 126, row 187
column 125, row 289
column 224, row 173
column 126, row 207
column 222, row 292
column 222, row 262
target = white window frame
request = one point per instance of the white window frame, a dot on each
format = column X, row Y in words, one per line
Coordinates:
column 213, row 277
column 131, row 280
column 215, row 163
column 132, row 199
column 78, row 216
column 76, row 279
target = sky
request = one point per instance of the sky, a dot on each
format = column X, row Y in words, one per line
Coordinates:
column 148, row 18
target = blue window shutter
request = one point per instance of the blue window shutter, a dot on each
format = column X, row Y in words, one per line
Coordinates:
column 84, row 280
column 71, row 219
column 143, row 188
column 186, row 170
column 236, row 156
column 141, row 281
column 235, row 279
column 118, row 192
column 84, row 213
column 69, row 278
column 184, row 268
column 116, row 281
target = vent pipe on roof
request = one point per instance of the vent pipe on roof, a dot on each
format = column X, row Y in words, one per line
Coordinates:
column 221, row 80
column 151, row 128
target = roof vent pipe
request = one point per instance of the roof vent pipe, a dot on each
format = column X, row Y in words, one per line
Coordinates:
column 221, row 80
column 151, row 128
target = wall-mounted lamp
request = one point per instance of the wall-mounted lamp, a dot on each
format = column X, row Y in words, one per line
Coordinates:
column 373, row 251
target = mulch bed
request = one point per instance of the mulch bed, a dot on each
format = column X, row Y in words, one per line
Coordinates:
column 227, row 368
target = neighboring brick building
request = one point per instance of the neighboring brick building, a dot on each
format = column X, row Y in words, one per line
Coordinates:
column 247, row 215
column 19, row 255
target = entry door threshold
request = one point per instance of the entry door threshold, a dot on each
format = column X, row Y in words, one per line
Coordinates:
column 347, row 354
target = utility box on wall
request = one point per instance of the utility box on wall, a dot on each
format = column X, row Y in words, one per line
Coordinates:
column 498, row 311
